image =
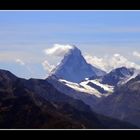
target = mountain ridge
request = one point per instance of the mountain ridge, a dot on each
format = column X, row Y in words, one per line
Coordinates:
column 35, row 103
column 117, row 76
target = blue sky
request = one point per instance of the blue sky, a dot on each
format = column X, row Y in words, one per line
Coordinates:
column 24, row 35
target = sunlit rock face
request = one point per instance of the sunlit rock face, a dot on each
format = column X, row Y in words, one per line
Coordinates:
column 74, row 67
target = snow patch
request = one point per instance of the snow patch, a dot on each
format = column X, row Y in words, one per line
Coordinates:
column 81, row 88
column 84, row 87
column 106, row 87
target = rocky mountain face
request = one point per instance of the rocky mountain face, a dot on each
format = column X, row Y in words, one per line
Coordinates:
column 124, row 103
column 74, row 67
column 36, row 103
column 115, row 94
column 112, row 94
column 117, row 76
column 93, row 90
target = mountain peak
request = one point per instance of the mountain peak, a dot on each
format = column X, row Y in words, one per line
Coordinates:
column 118, row 75
column 73, row 51
column 4, row 74
column 74, row 67
column 123, row 71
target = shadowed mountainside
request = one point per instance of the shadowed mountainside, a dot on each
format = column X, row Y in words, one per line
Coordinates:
column 35, row 103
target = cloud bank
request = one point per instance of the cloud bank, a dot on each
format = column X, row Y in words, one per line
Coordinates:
column 111, row 62
column 96, row 61
column 106, row 63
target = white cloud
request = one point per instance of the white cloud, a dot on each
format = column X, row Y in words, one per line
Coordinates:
column 137, row 54
column 111, row 62
column 19, row 61
column 119, row 60
column 22, row 63
column 58, row 50
column 96, row 61
column 47, row 66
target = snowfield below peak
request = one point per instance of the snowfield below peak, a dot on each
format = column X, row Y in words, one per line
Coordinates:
column 106, row 87
column 84, row 87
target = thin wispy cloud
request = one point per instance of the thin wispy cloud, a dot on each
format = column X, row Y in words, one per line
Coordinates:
column 22, row 63
column 26, row 56
column 47, row 66
column 51, row 29
column 19, row 61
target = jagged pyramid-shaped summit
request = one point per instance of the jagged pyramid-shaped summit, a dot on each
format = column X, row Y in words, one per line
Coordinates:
column 74, row 67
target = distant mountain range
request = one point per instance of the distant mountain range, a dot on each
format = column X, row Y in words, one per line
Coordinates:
column 102, row 92
column 75, row 95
